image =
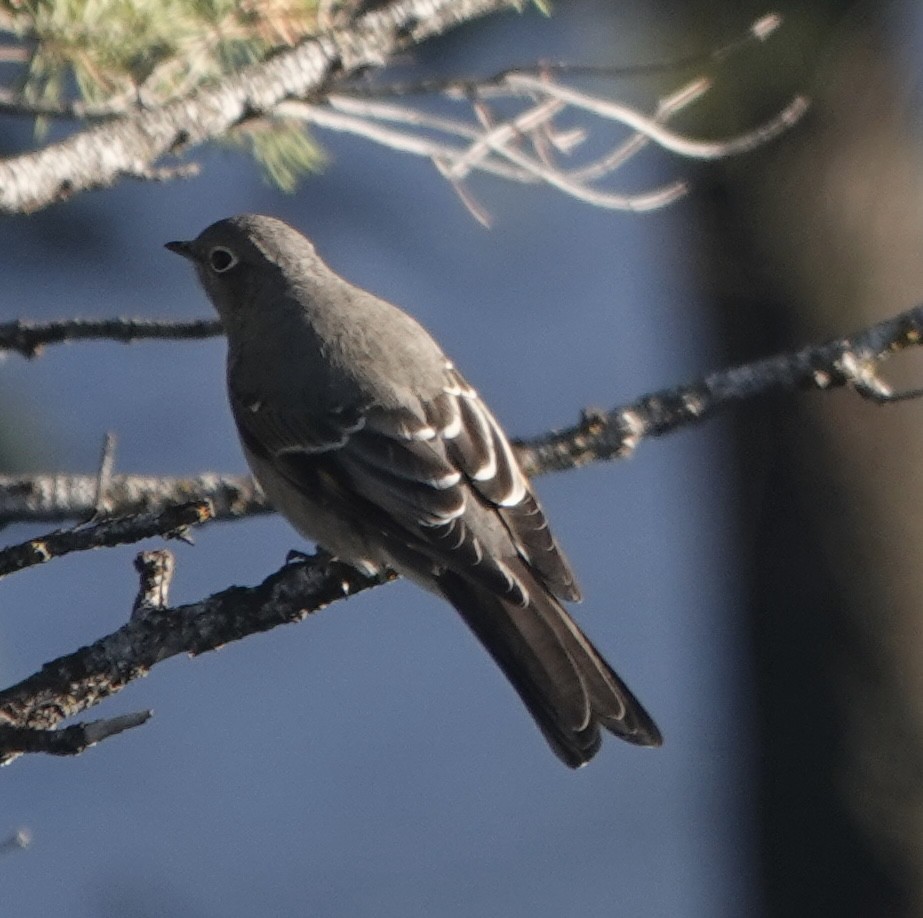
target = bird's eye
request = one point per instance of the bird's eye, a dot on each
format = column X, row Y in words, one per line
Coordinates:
column 221, row 259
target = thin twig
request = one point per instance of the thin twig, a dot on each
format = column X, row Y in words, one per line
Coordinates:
column 497, row 137
column 104, row 475
column 13, row 54
column 651, row 200
column 849, row 361
column 663, row 137
column 490, row 151
column 29, row 338
column 666, row 109
column 759, row 31
column 399, row 140
column 521, row 147
column 124, row 530
column 54, row 498
column 70, row 740
column 598, row 436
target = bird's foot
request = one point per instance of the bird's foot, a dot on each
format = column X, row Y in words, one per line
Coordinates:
column 320, row 556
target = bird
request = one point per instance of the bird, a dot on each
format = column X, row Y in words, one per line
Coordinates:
column 372, row 444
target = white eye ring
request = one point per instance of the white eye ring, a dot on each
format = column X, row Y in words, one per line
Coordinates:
column 221, row 259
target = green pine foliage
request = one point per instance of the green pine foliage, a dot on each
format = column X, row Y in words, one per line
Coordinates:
column 123, row 53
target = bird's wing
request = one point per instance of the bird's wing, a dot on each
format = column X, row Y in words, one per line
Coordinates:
column 441, row 486
column 415, row 473
column 482, row 451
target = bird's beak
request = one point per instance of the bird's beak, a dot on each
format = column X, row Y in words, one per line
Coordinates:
column 181, row 248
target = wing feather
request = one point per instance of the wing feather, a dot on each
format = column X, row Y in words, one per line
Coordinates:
column 424, row 476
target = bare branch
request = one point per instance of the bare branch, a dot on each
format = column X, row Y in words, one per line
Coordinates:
column 602, row 436
column 522, row 147
column 134, row 143
column 666, row 109
column 70, row 740
column 759, row 31
column 598, row 436
column 104, row 474
column 675, row 143
column 77, row 681
column 54, row 498
column 170, row 523
column 29, row 338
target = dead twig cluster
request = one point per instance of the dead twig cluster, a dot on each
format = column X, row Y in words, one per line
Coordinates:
column 530, row 145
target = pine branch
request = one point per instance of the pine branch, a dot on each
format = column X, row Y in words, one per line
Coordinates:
column 132, row 145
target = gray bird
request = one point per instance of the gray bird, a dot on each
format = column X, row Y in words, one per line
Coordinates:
column 367, row 438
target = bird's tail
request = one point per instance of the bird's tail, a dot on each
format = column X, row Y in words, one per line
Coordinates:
column 569, row 689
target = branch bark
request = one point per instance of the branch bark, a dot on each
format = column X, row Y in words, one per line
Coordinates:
column 71, row 740
column 29, row 338
column 598, row 436
column 131, row 145
column 54, row 498
column 840, row 362
column 80, row 680
column 170, row 523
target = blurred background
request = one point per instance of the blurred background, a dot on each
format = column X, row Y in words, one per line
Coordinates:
column 755, row 580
